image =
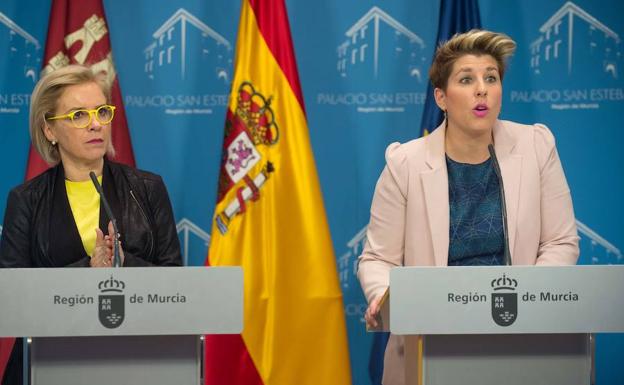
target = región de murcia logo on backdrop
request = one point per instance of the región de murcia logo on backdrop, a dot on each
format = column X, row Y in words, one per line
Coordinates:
column 504, row 300
column 111, row 305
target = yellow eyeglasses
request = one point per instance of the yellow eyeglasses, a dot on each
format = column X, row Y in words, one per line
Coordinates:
column 82, row 118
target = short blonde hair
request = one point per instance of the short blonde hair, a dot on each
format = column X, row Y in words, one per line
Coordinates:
column 44, row 102
column 474, row 42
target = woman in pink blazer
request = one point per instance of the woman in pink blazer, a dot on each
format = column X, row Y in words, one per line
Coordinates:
column 438, row 201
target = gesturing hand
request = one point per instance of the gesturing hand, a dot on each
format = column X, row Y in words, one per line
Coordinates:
column 109, row 242
column 103, row 252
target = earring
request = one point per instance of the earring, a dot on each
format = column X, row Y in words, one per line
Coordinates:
column 53, row 142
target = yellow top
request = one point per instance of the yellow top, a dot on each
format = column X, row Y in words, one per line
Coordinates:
column 84, row 201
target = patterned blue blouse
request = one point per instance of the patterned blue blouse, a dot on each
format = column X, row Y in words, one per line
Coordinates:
column 476, row 231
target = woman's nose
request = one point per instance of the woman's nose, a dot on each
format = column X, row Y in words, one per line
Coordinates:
column 481, row 90
column 94, row 124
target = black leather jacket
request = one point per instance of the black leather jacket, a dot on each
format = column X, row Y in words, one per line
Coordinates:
column 39, row 229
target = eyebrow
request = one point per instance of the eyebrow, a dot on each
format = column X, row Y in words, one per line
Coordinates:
column 83, row 108
column 469, row 69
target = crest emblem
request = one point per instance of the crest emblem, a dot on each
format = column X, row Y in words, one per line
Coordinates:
column 251, row 126
column 111, row 303
column 504, row 301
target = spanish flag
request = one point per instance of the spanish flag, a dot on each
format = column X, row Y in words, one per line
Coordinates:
column 270, row 220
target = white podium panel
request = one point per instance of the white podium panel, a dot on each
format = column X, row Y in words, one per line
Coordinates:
column 116, row 360
column 123, row 301
column 510, row 359
column 135, row 326
column 511, row 325
column 507, row 300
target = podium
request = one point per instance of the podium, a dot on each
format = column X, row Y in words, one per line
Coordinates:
column 503, row 325
column 123, row 326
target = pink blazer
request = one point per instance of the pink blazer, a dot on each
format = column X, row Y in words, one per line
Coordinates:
column 409, row 223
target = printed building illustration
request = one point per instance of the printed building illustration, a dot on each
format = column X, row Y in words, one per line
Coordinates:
column 347, row 262
column 595, row 249
column 574, row 41
column 20, row 48
column 184, row 44
column 193, row 241
column 375, row 41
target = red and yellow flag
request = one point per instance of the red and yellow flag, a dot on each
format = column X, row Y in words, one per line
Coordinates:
column 270, row 220
column 78, row 34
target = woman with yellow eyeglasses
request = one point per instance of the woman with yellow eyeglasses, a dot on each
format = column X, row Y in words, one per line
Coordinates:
column 56, row 219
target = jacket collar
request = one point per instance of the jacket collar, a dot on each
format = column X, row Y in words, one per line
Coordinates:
column 65, row 245
column 435, row 186
column 109, row 181
column 510, row 162
column 504, row 144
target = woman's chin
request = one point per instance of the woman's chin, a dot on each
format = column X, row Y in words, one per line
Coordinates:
column 93, row 158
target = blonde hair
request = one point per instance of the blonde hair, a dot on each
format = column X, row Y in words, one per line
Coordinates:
column 474, row 42
column 44, row 101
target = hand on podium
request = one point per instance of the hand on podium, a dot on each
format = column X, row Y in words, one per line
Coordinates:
column 372, row 313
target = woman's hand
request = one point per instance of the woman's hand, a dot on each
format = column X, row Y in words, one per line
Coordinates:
column 372, row 313
column 103, row 252
column 109, row 243
column 104, row 246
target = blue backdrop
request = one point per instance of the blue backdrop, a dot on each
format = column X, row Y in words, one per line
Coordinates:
column 363, row 67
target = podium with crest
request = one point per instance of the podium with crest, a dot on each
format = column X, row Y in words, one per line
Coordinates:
column 119, row 326
column 502, row 325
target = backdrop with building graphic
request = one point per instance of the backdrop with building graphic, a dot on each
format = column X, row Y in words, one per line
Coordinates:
column 575, row 41
column 363, row 68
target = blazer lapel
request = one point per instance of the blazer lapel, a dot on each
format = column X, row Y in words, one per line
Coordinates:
column 435, row 187
column 65, row 243
column 511, row 167
column 109, row 184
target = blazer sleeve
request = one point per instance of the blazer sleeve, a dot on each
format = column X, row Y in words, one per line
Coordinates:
column 15, row 242
column 385, row 236
column 558, row 237
column 166, row 243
